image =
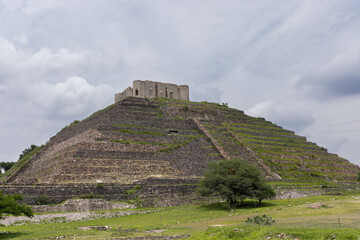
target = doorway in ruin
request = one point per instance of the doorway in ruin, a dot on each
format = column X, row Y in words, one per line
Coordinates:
column 156, row 91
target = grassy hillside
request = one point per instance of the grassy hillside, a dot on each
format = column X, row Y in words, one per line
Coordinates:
column 321, row 217
column 259, row 141
column 19, row 164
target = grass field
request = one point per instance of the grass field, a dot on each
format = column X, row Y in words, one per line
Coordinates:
column 334, row 217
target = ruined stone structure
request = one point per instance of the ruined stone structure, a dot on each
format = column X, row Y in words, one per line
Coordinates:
column 158, row 149
column 151, row 89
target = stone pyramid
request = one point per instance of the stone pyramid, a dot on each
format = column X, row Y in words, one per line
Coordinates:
column 138, row 140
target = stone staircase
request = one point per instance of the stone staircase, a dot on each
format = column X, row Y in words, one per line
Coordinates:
column 138, row 139
column 124, row 143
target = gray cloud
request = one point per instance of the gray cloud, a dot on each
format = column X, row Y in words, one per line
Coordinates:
column 63, row 60
column 289, row 115
column 69, row 98
column 338, row 78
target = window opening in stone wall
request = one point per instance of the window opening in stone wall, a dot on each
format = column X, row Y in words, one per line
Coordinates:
column 156, row 91
column 136, row 92
column 150, row 92
column 173, row 132
column 166, row 95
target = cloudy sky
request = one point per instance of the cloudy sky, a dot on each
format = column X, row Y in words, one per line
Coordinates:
column 296, row 63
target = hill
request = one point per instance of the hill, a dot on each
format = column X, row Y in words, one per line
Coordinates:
column 137, row 139
column 164, row 141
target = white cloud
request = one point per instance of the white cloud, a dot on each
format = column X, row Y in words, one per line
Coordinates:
column 290, row 115
column 260, row 108
column 22, row 39
column 275, row 58
column 27, row 64
column 32, row 7
column 3, row 88
column 72, row 97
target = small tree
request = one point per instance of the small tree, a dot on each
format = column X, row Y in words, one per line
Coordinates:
column 6, row 165
column 234, row 179
column 26, row 151
column 264, row 191
column 9, row 205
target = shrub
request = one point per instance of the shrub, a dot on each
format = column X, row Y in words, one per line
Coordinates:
column 9, row 206
column 90, row 196
column 133, row 190
column 260, row 220
column 27, row 151
column 42, row 200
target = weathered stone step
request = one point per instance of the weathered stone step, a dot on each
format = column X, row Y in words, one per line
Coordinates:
column 171, row 139
column 87, row 153
column 270, row 134
column 240, row 127
column 278, row 140
column 289, row 145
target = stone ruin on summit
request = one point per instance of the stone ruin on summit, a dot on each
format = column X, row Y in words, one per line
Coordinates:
column 151, row 89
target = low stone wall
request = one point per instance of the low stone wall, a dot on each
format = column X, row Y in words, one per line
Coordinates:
column 145, row 194
column 297, row 193
column 81, row 205
column 157, row 192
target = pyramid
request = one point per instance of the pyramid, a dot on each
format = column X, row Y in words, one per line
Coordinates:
column 139, row 140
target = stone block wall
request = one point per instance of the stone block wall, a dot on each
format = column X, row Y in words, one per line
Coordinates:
column 151, row 89
column 161, row 194
column 125, row 143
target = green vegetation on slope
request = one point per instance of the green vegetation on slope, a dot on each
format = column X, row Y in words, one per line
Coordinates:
column 20, row 163
column 333, row 217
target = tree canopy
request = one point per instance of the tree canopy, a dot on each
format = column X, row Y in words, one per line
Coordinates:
column 28, row 150
column 233, row 180
column 10, row 206
column 6, row 165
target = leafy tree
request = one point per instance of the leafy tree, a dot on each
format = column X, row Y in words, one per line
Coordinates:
column 264, row 191
column 6, row 165
column 233, row 180
column 26, row 151
column 9, row 205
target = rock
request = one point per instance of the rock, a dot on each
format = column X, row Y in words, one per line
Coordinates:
column 101, row 228
column 315, row 205
column 84, row 228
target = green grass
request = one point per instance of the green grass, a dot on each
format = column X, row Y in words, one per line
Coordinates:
column 140, row 132
column 19, row 164
column 168, row 146
column 296, row 221
column 104, row 109
column 178, row 145
column 133, row 126
column 268, row 126
column 140, row 142
column 257, row 232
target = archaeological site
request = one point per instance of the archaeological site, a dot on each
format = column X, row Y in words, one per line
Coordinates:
column 153, row 145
